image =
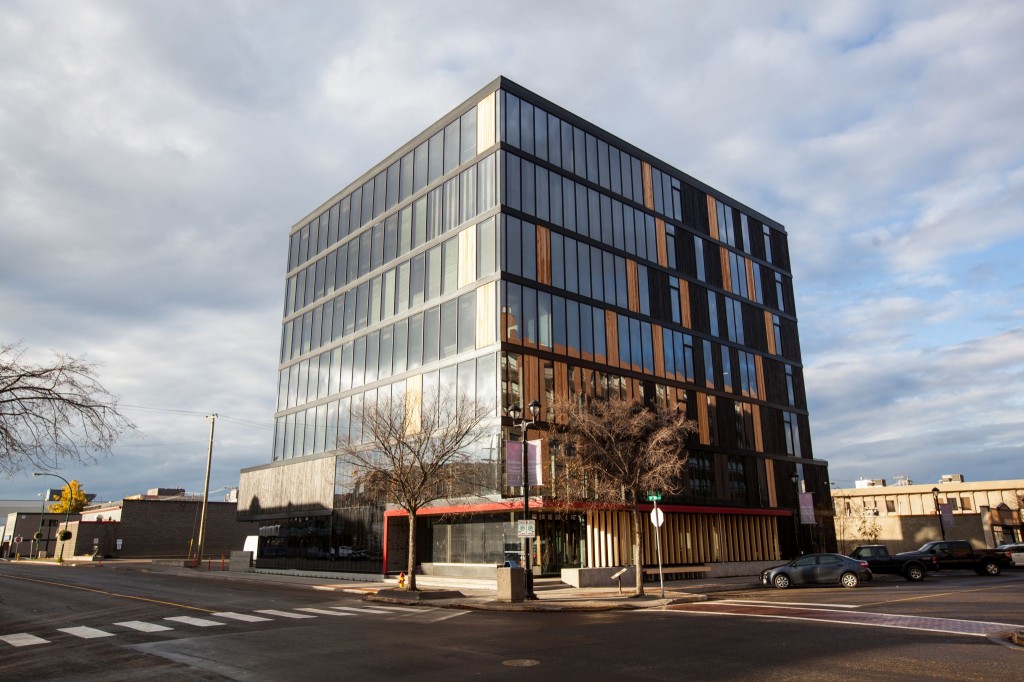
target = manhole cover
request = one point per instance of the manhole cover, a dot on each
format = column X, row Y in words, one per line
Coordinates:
column 521, row 663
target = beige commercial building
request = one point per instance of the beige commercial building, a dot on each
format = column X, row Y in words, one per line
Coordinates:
column 906, row 515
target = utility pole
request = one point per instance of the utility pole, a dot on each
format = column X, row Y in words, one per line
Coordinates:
column 206, row 494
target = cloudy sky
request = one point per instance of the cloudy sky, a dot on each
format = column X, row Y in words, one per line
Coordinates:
column 154, row 155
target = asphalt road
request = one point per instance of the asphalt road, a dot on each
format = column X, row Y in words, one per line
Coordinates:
column 100, row 624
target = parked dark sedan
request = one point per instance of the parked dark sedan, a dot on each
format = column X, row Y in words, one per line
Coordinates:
column 818, row 569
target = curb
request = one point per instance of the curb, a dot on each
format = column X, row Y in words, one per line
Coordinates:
column 540, row 605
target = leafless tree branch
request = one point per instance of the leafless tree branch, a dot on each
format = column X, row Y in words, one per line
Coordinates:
column 55, row 413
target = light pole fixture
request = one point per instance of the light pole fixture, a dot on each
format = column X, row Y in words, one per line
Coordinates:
column 795, row 478
column 67, row 511
column 516, row 413
column 938, row 511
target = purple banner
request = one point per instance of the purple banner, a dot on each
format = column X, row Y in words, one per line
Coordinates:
column 514, row 463
column 807, row 509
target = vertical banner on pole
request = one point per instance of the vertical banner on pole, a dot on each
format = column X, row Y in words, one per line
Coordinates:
column 807, row 509
column 514, row 463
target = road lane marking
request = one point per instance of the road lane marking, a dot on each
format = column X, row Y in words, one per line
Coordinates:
column 23, row 639
column 198, row 622
column 86, row 632
column 788, row 603
column 323, row 612
column 109, row 594
column 247, row 617
column 143, row 626
column 284, row 614
column 398, row 608
column 942, row 594
column 921, row 623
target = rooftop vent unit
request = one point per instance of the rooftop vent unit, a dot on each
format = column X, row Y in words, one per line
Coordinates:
column 952, row 478
column 869, row 483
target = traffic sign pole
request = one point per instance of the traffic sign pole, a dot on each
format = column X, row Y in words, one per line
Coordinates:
column 657, row 518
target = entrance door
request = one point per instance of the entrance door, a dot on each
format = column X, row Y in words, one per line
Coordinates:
column 559, row 543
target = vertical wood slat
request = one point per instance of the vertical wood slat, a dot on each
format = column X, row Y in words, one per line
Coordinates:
column 543, row 255
column 769, row 472
column 659, row 350
column 648, row 185
column 611, row 332
column 593, row 543
column 662, row 241
column 769, row 327
column 684, row 303
column 485, row 120
column 713, row 217
column 467, row 256
column 486, row 315
column 632, row 285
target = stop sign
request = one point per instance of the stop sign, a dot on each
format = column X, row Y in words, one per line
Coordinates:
column 18, row 539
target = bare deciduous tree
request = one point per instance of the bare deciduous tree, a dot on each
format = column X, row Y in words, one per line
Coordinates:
column 417, row 451
column 616, row 450
column 54, row 412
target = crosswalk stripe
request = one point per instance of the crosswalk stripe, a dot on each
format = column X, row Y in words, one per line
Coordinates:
column 23, row 639
column 362, row 610
column 324, row 612
column 284, row 614
column 248, row 618
column 142, row 626
column 86, row 632
column 400, row 608
column 198, row 622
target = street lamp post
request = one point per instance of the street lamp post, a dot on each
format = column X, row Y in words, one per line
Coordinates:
column 516, row 412
column 795, row 478
column 39, row 533
column 938, row 511
column 67, row 512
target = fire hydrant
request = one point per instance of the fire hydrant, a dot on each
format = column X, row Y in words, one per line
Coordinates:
column 401, row 580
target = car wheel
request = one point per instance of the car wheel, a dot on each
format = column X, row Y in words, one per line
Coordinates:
column 990, row 568
column 781, row 581
column 915, row 573
column 849, row 580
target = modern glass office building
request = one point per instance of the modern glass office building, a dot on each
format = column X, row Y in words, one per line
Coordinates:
column 513, row 251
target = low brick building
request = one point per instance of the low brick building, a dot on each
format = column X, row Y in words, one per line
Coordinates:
column 157, row 528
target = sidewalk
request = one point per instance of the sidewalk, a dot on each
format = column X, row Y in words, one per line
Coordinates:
column 462, row 593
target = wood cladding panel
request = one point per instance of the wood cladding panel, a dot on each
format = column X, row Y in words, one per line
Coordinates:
column 487, row 315
column 662, row 242
column 467, row 257
column 648, row 185
column 712, row 217
column 302, row 484
column 611, row 327
column 632, row 285
column 769, row 328
column 769, row 470
column 684, row 303
column 723, row 256
column 413, row 403
column 543, row 255
column 703, row 425
column 485, row 119
column 659, row 350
